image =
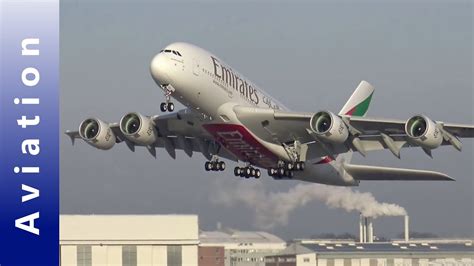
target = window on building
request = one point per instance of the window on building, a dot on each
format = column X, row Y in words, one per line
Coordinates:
column 84, row 255
column 305, row 259
column 129, row 255
column 174, row 255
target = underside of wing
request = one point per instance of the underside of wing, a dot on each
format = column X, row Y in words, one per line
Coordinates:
column 177, row 131
column 367, row 172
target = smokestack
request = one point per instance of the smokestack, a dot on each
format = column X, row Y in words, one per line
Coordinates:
column 370, row 231
column 361, row 229
column 364, row 230
column 407, row 230
column 219, row 226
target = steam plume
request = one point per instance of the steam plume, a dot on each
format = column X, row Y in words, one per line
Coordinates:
column 273, row 208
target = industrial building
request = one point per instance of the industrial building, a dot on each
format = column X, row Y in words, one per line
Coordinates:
column 243, row 248
column 211, row 256
column 162, row 240
column 373, row 254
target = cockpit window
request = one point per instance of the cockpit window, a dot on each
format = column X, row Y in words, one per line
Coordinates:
column 171, row 51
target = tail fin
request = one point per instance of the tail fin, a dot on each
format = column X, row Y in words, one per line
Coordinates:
column 359, row 102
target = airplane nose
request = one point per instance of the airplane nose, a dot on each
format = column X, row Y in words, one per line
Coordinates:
column 158, row 69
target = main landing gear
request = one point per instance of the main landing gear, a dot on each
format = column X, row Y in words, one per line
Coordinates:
column 167, row 105
column 247, row 172
column 214, row 166
column 286, row 169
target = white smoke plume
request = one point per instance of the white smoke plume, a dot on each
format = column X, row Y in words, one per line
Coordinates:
column 273, row 208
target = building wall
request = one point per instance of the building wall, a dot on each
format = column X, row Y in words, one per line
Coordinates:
column 147, row 255
column 211, row 256
column 372, row 259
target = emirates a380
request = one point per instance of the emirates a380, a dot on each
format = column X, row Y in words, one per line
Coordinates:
column 228, row 116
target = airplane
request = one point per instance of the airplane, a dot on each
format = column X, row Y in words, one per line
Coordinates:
column 228, row 116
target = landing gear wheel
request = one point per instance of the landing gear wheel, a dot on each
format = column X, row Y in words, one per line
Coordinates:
column 302, row 166
column 208, row 166
column 163, row 107
column 253, row 172
column 257, row 173
column 289, row 166
column 280, row 172
column 237, row 171
column 221, row 165
column 170, row 107
column 271, row 171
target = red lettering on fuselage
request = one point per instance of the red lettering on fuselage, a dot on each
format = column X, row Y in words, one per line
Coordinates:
column 240, row 142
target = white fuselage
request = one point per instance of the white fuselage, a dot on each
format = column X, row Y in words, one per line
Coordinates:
column 206, row 84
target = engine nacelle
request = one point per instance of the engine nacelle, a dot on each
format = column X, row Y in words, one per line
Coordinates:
column 97, row 133
column 138, row 128
column 329, row 127
column 423, row 131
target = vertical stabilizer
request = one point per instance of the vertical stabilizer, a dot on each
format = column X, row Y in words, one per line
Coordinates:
column 359, row 102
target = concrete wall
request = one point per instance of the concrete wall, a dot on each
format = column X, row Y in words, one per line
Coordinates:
column 146, row 255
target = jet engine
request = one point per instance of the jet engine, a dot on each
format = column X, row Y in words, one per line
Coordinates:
column 424, row 132
column 97, row 133
column 138, row 128
column 329, row 127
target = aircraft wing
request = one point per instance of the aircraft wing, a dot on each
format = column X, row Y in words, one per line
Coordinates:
column 177, row 131
column 366, row 172
column 371, row 133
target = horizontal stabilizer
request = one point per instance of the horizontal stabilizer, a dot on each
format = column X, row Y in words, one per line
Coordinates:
column 367, row 172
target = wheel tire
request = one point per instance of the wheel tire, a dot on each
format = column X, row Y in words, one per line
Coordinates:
column 242, row 173
column 287, row 173
column 247, row 171
column 253, row 172
column 170, row 107
column 297, row 166
column 215, row 166
column 163, row 107
column 302, row 166
column 290, row 166
column 258, row 173
column 208, row 166
column 270, row 171
column 237, row 171
column 222, row 165
column 281, row 172
column 291, row 174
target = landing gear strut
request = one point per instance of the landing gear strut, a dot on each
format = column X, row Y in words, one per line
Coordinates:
column 167, row 105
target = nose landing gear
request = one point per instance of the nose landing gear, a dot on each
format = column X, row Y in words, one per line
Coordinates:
column 167, row 105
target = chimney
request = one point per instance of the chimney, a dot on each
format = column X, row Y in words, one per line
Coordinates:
column 370, row 231
column 218, row 226
column 407, row 230
column 361, row 229
column 364, row 230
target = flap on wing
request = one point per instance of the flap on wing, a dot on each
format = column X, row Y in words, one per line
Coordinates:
column 367, row 172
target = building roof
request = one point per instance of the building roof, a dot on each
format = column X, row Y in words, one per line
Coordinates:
column 382, row 247
column 236, row 238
